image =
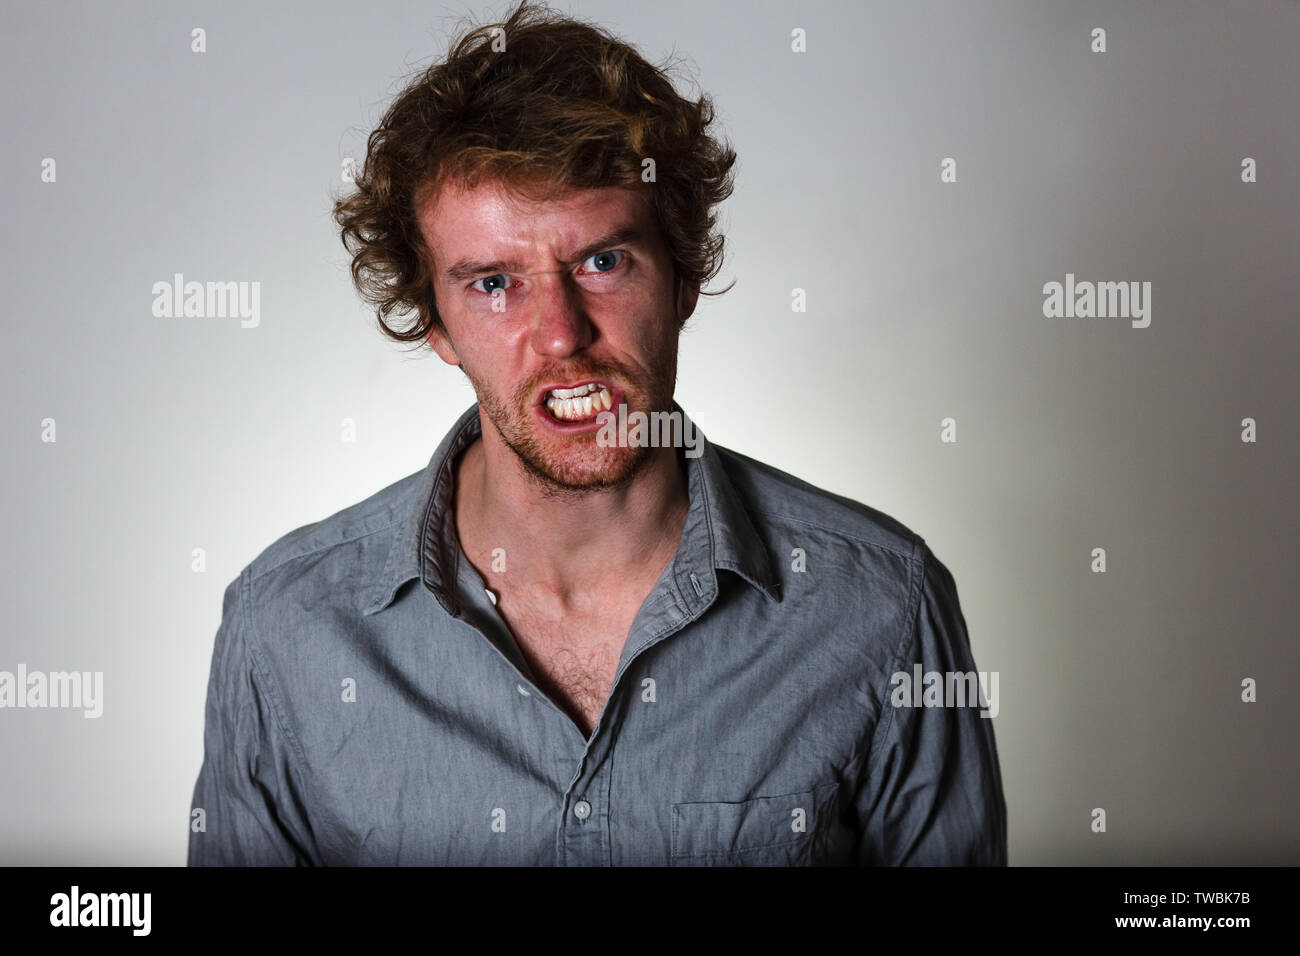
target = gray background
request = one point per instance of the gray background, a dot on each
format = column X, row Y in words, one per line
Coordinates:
column 1118, row 690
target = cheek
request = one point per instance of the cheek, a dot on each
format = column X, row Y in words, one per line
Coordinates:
column 487, row 350
column 646, row 318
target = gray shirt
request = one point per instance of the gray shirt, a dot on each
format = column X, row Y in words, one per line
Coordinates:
column 368, row 705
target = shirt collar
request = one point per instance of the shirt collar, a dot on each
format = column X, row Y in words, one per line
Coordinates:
column 718, row 534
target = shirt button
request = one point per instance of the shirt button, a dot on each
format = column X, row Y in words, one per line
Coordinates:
column 582, row 809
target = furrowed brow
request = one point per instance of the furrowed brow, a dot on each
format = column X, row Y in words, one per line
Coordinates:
column 469, row 269
column 627, row 235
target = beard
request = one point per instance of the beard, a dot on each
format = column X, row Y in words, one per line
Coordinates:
column 575, row 465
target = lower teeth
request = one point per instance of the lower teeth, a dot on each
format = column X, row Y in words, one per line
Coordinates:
column 557, row 407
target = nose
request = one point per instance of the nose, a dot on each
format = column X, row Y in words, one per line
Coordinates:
column 560, row 324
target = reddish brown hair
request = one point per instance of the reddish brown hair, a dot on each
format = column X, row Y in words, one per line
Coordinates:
column 564, row 105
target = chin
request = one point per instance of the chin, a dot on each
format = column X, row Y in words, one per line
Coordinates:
column 588, row 468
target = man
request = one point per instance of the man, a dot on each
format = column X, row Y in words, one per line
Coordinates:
column 561, row 643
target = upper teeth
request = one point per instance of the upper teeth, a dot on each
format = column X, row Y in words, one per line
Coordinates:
column 578, row 392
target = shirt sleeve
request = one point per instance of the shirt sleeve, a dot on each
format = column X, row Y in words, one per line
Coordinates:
column 251, row 814
column 931, row 794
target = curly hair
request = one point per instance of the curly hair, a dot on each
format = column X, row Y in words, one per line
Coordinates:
column 564, row 105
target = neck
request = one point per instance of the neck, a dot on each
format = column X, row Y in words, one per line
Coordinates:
column 568, row 544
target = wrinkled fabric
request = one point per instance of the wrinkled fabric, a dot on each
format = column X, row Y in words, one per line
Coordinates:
column 367, row 705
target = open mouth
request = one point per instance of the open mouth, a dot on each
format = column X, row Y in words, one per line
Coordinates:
column 580, row 402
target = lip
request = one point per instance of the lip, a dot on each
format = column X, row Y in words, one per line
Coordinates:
column 616, row 397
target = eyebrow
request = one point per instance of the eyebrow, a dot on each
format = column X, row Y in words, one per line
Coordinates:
column 469, row 269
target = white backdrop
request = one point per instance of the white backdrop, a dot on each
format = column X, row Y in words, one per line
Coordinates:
column 1120, row 690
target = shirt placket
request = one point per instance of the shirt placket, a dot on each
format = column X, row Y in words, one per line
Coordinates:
column 583, row 836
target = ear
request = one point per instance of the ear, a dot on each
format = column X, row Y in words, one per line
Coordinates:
column 440, row 342
column 687, row 297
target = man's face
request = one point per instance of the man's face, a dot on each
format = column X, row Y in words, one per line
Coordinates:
column 573, row 292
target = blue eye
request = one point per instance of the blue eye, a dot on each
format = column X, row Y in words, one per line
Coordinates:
column 501, row 280
column 607, row 260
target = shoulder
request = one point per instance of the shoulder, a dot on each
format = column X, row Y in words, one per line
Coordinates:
column 838, row 541
column 777, row 499
column 342, row 552
column 841, row 562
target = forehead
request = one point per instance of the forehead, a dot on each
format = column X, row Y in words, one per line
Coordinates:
column 490, row 221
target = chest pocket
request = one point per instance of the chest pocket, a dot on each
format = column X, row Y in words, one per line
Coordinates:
column 784, row 830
